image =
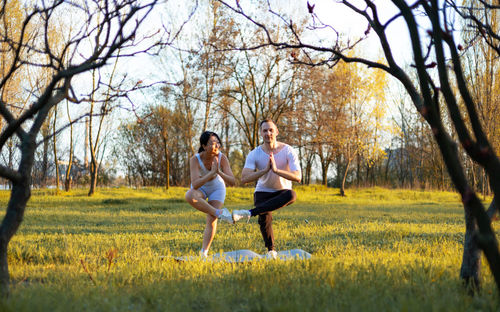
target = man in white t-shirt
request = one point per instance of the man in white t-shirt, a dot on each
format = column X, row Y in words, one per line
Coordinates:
column 274, row 165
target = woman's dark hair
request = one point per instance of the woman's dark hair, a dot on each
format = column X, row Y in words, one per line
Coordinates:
column 204, row 137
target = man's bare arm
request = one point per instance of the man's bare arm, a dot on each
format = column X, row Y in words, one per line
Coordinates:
column 294, row 176
column 249, row 175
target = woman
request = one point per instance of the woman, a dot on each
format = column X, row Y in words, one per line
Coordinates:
column 210, row 171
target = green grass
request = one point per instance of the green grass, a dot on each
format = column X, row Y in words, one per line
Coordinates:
column 374, row 250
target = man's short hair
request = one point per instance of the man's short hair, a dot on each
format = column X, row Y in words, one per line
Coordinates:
column 266, row 120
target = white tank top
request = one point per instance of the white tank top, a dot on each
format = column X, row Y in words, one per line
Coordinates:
column 215, row 181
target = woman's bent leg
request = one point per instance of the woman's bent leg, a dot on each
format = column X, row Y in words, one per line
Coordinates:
column 196, row 199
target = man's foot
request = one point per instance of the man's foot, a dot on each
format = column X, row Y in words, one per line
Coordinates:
column 225, row 215
column 241, row 214
column 272, row 254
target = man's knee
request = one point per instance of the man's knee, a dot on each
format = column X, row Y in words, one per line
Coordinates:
column 291, row 196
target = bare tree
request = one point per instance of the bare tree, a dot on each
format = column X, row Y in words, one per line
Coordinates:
column 322, row 114
column 110, row 26
column 482, row 69
column 67, row 177
column 54, row 148
column 438, row 66
column 98, row 132
column 208, row 62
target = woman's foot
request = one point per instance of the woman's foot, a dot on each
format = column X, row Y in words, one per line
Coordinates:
column 224, row 215
column 203, row 254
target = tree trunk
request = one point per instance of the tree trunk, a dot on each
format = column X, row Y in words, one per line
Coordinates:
column 167, row 165
column 168, row 172
column 93, row 176
column 86, row 144
column 54, row 141
column 93, row 158
column 324, row 173
column 342, row 187
column 473, row 177
column 388, row 162
column 484, row 236
column 470, row 270
column 16, row 206
column 358, row 169
column 45, row 162
column 471, row 258
column 308, row 171
column 68, row 179
column 10, row 148
column 67, row 183
column 15, row 211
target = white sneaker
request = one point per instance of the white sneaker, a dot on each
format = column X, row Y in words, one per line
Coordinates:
column 241, row 214
column 226, row 216
column 203, row 255
column 272, row 254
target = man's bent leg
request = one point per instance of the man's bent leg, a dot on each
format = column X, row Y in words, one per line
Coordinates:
column 265, row 202
column 270, row 201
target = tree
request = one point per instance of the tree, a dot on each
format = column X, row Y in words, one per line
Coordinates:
column 11, row 26
column 482, row 69
column 54, row 148
column 67, row 177
column 438, row 65
column 110, row 25
column 365, row 92
column 373, row 127
column 321, row 114
column 100, row 110
column 259, row 85
column 153, row 148
column 209, row 63
column 39, row 78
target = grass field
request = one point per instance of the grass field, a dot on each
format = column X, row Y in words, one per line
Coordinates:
column 374, row 250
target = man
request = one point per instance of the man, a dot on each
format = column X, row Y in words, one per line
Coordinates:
column 274, row 165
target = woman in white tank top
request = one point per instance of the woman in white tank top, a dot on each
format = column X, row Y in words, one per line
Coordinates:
column 210, row 172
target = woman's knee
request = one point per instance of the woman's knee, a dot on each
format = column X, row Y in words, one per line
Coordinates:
column 192, row 196
column 189, row 196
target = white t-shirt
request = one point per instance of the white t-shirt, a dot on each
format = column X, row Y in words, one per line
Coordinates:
column 285, row 159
